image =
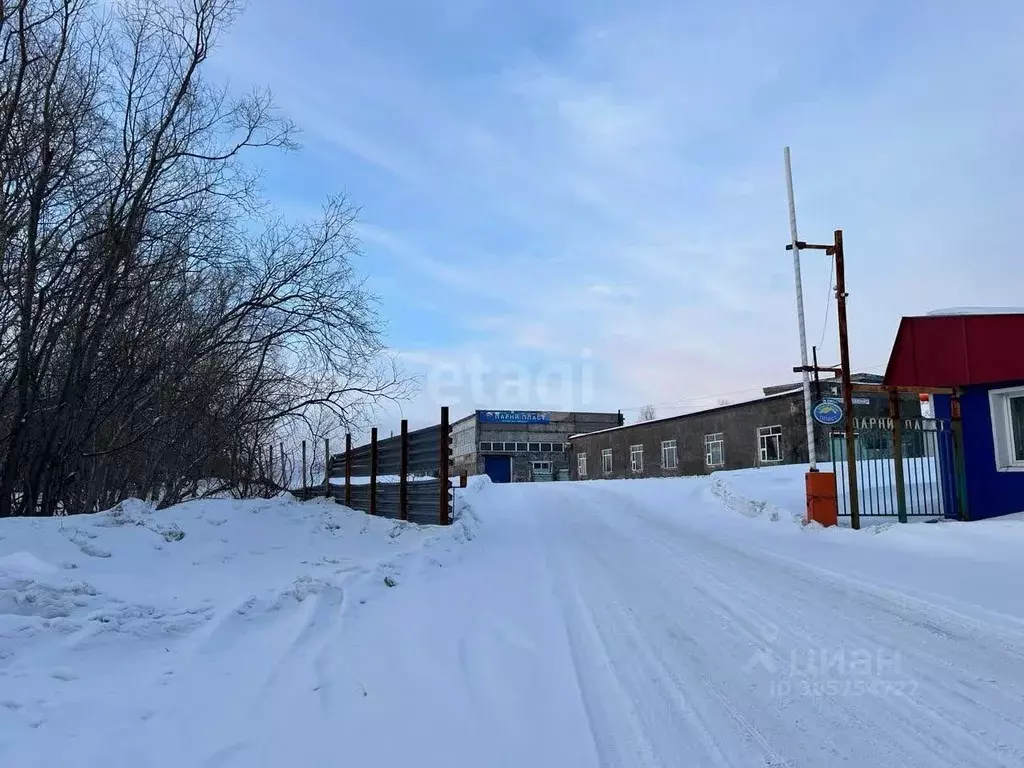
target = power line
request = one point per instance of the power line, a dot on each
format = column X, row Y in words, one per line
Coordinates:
column 828, row 302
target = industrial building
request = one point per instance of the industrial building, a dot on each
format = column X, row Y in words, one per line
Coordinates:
column 518, row 446
column 765, row 431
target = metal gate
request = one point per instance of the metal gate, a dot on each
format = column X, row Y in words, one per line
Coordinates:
column 931, row 464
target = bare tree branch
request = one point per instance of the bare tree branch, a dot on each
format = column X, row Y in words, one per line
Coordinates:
column 155, row 339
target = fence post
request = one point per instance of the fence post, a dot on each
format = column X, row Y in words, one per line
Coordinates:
column 960, row 471
column 327, row 466
column 403, row 479
column 443, row 473
column 304, row 486
column 270, row 466
column 284, row 479
column 897, row 453
column 348, row 469
column 373, row 471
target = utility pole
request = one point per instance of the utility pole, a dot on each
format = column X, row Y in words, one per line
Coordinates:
column 844, row 362
column 836, row 251
column 795, row 247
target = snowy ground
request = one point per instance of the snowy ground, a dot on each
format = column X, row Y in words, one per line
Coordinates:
column 611, row 623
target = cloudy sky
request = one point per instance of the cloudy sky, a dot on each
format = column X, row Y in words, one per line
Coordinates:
column 582, row 204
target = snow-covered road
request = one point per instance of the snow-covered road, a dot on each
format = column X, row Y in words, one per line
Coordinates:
column 587, row 624
column 591, row 628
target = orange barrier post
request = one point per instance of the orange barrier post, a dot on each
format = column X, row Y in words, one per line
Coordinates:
column 822, row 501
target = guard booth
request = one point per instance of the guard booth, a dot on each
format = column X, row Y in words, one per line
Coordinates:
column 973, row 363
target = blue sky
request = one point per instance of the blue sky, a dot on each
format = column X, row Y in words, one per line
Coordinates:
column 594, row 190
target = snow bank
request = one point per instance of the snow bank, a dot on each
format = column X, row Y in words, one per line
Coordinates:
column 755, row 507
column 780, row 492
column 732, row 497
column 116, row 600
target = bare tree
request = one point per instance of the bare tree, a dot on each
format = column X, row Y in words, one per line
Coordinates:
column 647, row 413
column 152, row 335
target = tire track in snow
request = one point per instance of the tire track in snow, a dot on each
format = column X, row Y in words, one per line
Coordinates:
column 697, row 717
column 673, row 711
column 599, row 686
column 941, row 645
column 937, row 655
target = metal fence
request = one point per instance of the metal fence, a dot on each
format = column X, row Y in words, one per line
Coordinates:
column 405, row 477
column 918, row 480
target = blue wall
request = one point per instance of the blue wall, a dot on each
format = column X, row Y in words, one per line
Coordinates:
column 989, row 493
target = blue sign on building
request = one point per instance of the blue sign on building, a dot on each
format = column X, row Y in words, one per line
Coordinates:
column 514, row 417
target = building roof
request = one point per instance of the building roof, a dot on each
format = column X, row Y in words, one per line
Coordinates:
column 856, row 378
column 788, row 393
column 957, row 349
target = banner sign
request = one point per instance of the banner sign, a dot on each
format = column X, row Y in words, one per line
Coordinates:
column 515, row 417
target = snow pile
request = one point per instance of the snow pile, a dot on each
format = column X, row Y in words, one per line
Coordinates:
column 464, row 516
column 727, row 494
column 780, row 493
column 30, row 587
column 93, row 607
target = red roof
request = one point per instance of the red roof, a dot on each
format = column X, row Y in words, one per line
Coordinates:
column 957, row 350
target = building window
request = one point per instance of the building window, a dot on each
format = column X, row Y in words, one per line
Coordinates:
column 545, row 447
column 669, row 456
column 542, row 466
column 534, row 447
column 769, row 443
column 485, row 446
column 714, row 450
column 581, row 464
column 1007, row 406
column 636, row 458
column 523, row 447
column 606, row 461
column 510, row 447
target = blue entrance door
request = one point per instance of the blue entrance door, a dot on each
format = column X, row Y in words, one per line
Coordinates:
column 498, row 468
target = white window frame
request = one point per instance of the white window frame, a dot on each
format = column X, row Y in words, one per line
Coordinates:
column 581, row 464
column 763, row 435
column 670, row 447
column 1002, row 428
column 607, row 461
column 713, row 439
column 636, row 458
column 541, row 465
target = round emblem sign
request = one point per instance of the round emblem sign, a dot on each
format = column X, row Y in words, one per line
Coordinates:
column 828, row 412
